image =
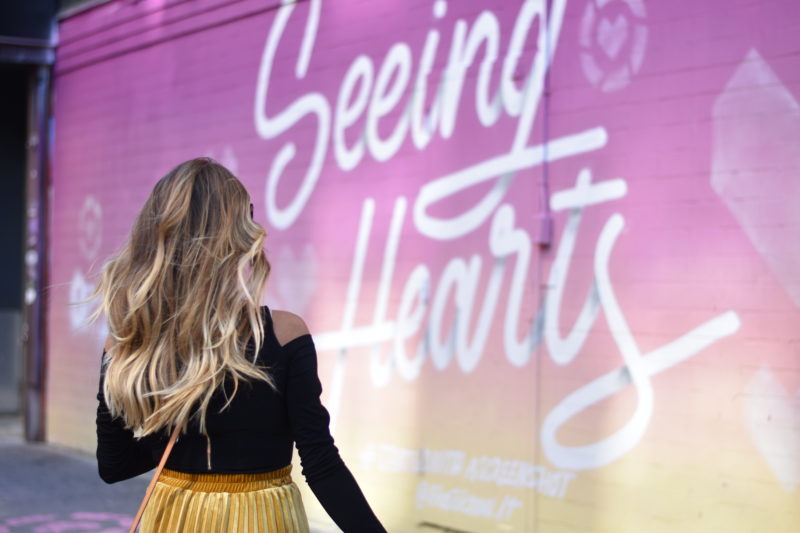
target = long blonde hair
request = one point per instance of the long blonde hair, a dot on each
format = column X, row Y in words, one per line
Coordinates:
column 182, row 299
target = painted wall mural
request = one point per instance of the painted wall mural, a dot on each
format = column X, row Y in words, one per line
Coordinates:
column 549, row 249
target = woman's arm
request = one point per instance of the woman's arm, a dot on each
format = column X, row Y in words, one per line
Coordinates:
column 119, row 455
column 326, row 474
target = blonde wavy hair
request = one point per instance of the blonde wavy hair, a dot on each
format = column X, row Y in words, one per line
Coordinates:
column 182, row 299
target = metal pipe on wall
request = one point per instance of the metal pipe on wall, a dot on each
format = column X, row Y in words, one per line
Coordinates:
column 36, row 201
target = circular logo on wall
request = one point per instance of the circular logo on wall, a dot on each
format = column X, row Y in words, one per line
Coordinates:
column 79, row 292
column 90, row 228
column 613, row 38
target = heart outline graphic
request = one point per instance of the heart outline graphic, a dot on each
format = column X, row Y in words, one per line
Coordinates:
column 612, row 35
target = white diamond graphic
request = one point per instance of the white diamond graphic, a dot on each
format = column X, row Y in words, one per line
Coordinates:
column 756, row 164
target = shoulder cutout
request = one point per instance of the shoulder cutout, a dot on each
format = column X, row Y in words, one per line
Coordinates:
column 288, row 326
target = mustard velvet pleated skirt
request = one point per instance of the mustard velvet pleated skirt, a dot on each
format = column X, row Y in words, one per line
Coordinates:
column 250, row 503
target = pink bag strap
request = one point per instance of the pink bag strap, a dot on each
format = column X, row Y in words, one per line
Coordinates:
column 153, row 481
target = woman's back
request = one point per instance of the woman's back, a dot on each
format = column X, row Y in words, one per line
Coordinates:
column 255, row 433
column 189, row 346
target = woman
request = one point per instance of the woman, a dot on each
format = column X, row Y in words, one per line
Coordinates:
column 191, row 346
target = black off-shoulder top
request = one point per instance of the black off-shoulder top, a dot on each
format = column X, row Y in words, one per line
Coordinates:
column 254, row 434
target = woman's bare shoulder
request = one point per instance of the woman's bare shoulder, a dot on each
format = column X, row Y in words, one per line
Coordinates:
column 288, row 326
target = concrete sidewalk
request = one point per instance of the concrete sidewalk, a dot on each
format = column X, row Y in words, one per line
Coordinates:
column 48, row 489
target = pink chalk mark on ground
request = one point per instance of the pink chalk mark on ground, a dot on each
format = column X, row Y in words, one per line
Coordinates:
column 30, row 519
column 77, row 521
column 60, row 526
column 756, row 164
column 121, row 519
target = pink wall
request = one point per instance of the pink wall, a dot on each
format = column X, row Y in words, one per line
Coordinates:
column 642, row 373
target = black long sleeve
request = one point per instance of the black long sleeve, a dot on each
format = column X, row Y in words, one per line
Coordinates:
column 119, row 455
column 323, row 468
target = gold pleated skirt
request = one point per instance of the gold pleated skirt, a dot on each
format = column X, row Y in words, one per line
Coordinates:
column 250, row 503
